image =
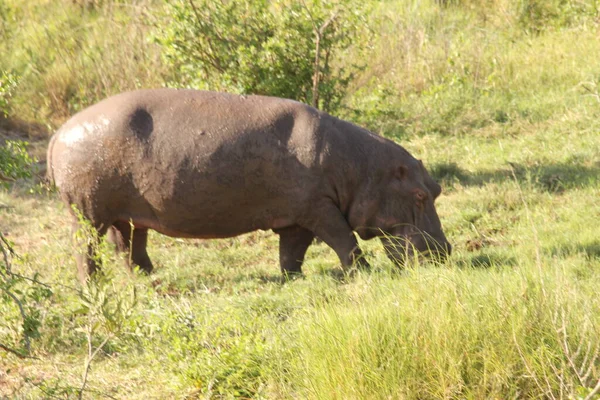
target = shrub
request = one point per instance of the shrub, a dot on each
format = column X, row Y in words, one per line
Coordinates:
column 8, row 83
column 280, row 48
column 15, row 162
column 21, row 304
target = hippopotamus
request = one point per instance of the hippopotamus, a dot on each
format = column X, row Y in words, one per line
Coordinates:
column 201, row 164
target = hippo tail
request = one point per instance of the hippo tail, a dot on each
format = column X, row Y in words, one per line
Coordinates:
column 49, row 166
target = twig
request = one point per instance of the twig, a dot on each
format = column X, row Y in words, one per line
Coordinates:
column 6, row 178
column 559, row 375
column 317, row 75
column 526, row 364
column 318, row 31
column 566, row 350
column 88, row 362
column 16, row 352
column 590, row 90
column 6, row 251
column 214, row 60
column 6, row 273
column 31, row 280
column 45, row 284
column 585, row 358
column 594, row 392
column 592, row 362
column 64, row 390
column 23, row 315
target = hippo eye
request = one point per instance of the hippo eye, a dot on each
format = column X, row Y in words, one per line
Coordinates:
column 420, row 197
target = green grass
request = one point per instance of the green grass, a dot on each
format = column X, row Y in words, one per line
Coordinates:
column 499, row 99
column 504, row 317
column 68, row 55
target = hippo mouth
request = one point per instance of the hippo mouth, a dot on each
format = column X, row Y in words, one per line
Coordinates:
column 415, row 245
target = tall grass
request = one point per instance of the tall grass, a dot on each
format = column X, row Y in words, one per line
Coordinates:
column 69, row 54
column 502, row 332
column 469, row 66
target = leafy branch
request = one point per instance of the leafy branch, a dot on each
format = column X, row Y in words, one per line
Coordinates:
column 7, row 281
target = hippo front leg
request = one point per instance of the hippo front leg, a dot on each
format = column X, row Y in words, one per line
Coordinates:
column 330, row 225
column 293, row 243
column 132, row 244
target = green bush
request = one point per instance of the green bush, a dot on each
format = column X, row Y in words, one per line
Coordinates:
column 8, row 84
column 15, row 162
column 220, row 352
column 536, row 16
column 265, row 47
column 22, row 301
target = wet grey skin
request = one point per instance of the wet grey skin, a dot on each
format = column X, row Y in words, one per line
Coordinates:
column 198, row 164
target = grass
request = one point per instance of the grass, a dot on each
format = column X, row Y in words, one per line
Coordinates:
column 502, row 107
column 65, row 60
column 504, row 317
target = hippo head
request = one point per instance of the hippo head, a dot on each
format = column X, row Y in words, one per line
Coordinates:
column 400, row 210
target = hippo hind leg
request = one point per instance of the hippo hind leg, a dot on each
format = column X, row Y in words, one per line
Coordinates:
column 293, row 243
column 133, row 246
column 86, row 256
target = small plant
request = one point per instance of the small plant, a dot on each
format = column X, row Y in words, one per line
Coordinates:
column 15, row 162
column 536, row 16
column 25, row 294
column 8, row 84
column 219, row 354
column 107, row 307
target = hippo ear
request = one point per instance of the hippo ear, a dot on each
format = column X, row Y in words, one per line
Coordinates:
column 436, row 190
column 401, row 172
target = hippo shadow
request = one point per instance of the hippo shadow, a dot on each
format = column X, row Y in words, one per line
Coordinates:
column 20, row 129
column 263, row 278
column 486, row 261
column 590, row 249
column 550, row 177
column 337, row 274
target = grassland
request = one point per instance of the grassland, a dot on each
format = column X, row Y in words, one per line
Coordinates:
column 501, row 103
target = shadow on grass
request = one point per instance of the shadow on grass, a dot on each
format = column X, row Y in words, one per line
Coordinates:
column 336, row 274
column 553, row 177
column 207, row 283
column 486, row 260
column 590, row 249
column 263, row 277
column 20, row 129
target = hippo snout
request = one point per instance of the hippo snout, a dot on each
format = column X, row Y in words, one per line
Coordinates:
column 437, row 250
column 442, row 250
column 400, row 249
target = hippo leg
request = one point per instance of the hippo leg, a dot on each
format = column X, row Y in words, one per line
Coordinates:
column 87, row 260
column 114, row 236
column 293, row 243
column 331, row 226
column 133, row 246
